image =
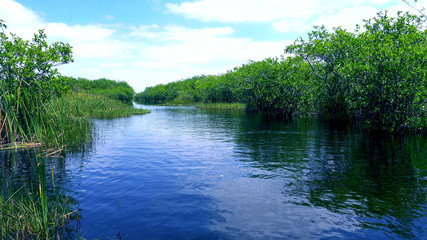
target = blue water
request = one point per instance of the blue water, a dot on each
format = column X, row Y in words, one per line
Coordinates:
column 186, row 173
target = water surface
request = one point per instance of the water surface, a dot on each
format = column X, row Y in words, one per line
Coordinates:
column 186, row 173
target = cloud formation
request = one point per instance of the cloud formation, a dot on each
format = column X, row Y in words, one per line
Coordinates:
column 286, row 15
column 148, row 54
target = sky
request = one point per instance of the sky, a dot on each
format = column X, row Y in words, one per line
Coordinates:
column 149, row 42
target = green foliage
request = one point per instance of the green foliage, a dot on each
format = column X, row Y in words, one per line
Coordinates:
column 115, row 90
column 34, row 104
column 222, row 106
column 27, row 82
column 35, row 210
column 376, row 75
column 84, row 105
column 279, row 88
column 270, row 86
column 180, row 92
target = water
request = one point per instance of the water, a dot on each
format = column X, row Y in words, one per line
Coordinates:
column 186, row 173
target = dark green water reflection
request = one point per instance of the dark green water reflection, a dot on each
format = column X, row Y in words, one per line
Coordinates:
column 380, row 180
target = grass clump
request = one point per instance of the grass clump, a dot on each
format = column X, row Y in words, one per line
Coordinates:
column 36, row 209
column 70, row 117
column 95, row 106
column 222, row 106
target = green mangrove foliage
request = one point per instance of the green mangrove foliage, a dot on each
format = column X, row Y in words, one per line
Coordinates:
column 36, row 104
column 279, row 88
column 113, row 89
column 27, row 82
column 375, row 76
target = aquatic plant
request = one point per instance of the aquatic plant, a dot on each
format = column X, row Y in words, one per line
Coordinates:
column 222, row 106
column 28, row 82
column 35, row 209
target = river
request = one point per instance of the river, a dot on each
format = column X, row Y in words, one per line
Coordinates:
column 187, row 173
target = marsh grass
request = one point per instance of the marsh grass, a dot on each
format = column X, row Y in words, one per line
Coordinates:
column 222, row 106
column 36, row 209
column 95, row 106
column 63, row 121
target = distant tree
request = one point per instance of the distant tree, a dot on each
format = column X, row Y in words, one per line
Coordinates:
column 113, row 89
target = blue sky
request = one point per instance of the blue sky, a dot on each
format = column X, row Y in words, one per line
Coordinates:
column 147, row 42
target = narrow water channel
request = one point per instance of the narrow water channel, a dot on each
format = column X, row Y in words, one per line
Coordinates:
column 187, row 173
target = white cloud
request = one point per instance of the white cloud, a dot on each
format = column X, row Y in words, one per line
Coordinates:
column 20, row 19
column 249, row 10
column 287, row 15
column 416, row 7
column 262, row 10
column 112, row 65
column 179, row 33
column 86, row 33
column 346, row 18
column 146, row 55
column 109, row 17
column 291, row 25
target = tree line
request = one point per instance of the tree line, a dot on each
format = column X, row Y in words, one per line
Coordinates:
column 117, row 90
column 38, row 105
column 375, row 76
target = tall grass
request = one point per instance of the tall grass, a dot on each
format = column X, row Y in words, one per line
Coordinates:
column 94, row 106
column 63, row 121
column 222, row 106
column 36, row 210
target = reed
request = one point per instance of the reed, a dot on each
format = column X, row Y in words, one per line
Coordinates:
column 95, row 106
column 63, row 121
column 36, row 210
column 222, row 106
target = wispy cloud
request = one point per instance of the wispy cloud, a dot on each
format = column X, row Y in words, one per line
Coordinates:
column 145, row 55
column 285, row 15
column 109, row 17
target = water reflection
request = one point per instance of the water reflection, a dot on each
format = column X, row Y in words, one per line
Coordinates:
column 186, row 173
column 26, row 179
column 380, row 181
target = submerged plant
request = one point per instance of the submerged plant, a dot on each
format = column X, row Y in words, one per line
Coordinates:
column 35, row 209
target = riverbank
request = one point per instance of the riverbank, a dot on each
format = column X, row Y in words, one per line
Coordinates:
column 39, row 209
column 66, row 121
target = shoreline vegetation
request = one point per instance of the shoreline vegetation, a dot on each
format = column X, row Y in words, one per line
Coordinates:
column 374, row 77
column 221, row 106
column 43, row 114
column 36, row 209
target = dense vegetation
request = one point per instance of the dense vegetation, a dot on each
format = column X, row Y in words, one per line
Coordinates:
column 37, row 209
column 28, row 83
column 112, row 89
column 375, row 76
column 38, row 105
